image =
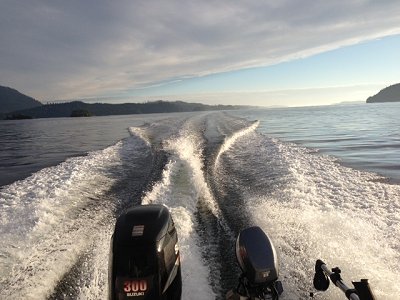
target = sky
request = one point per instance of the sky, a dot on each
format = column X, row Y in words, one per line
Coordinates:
column 264, row 53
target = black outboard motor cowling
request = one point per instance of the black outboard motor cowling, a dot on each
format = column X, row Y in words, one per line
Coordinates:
column 258, row 261
column 144, row 256
column 259, row 264
column 256, row 256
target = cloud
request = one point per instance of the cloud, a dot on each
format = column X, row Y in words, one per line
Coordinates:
column 76, row 49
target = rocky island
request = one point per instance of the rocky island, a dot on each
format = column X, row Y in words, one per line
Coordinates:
column 388, row 94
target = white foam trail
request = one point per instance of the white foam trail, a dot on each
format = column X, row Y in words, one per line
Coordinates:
column 182, row 186
column 95, row 272
column 162, row 189
column 338, row 214
column 230, row 141
column 51, row 218
column 140, row 133
column 176, row 192
column 187, row 147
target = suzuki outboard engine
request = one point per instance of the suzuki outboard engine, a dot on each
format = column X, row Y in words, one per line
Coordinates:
column 144, row 256
column 259, row 264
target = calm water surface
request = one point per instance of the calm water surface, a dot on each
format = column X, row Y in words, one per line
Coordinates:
column 364, row 136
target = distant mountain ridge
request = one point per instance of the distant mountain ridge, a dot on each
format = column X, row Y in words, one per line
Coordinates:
column 12, row 100
column 24, row 107
column 103, row 109
column 388, row 94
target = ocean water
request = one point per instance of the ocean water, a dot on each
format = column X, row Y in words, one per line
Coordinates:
column 361, row 136
column 322, row 182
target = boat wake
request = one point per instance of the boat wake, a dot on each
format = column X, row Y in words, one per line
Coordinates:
column 217, row 174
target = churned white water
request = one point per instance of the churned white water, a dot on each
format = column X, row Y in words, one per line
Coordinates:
column 323, row 210
column 181, row 187
column 48, row 219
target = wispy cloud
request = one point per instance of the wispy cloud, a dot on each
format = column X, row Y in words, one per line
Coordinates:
column 75, row 49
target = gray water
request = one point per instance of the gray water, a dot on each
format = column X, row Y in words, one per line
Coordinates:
column 364, row 136
column 294, row 172
column 27, row 146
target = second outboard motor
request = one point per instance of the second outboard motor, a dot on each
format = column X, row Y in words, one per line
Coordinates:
column 257, row 259
column 144, row 256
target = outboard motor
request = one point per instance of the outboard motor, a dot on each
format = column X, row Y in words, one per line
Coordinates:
column 144, row 260
column 257, row 259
